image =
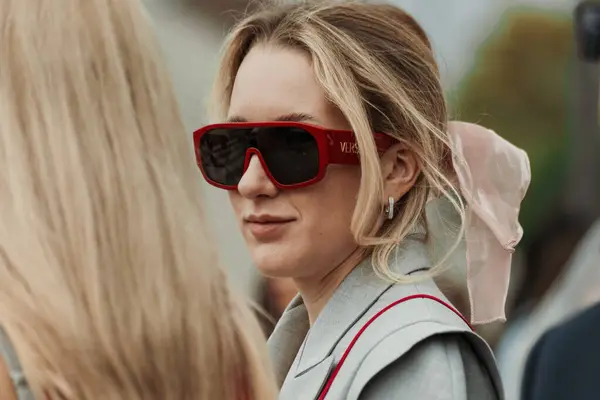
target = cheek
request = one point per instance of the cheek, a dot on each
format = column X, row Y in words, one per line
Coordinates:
column 340, row 185
column 327, row 207
column 321, row 238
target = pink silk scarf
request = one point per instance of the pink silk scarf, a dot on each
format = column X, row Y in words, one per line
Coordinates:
column 493, row 176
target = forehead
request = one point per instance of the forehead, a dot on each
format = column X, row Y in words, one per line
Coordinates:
column 275, row 81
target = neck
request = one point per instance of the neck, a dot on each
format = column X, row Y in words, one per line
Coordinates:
column 316, row 291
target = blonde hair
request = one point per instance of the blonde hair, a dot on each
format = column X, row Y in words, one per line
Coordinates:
column 376, row 65
column 108, row 284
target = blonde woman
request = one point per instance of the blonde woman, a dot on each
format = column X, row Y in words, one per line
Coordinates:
column 302, row 91
column 108, row 285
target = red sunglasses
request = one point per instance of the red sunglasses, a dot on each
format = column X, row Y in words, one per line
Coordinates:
column 292, row 154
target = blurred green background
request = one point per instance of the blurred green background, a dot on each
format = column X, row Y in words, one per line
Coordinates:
column 520, row 85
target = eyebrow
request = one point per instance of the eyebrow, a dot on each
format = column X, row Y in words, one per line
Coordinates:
column 292, row 117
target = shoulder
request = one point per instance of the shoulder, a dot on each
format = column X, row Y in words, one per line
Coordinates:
column 572, row 339
column 6, row 386
column 12, row 380
column 571, row 343
column 421, row 339
column 432, row 369
column 578, row 327
column 447, row 365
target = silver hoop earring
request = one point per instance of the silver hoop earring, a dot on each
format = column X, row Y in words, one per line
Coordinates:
column 389, row 209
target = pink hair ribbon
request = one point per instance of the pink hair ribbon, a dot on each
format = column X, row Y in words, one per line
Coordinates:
column 493, row 175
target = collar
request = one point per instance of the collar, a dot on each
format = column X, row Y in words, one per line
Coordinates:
column 293, row 337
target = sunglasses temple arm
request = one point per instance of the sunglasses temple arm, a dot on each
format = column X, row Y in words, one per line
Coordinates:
column 343, row 148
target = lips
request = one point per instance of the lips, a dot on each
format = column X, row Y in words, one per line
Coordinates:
column 267, row 227
column 267, row 219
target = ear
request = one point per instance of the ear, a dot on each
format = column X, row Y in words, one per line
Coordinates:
column 400, row 170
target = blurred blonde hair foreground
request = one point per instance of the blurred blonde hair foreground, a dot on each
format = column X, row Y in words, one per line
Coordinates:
column 108, row 284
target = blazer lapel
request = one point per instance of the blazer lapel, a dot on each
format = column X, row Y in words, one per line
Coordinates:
column 287, row 337
column 308, row 386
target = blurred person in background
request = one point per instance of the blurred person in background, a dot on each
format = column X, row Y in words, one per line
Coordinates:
column 551, row 292
column 302, row 90
column 564, row 362
column 109, row 288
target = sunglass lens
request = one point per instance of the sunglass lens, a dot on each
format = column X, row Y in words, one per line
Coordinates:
column 222, row 153
column 291, row 154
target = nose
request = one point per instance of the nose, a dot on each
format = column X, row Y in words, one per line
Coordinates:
column 255, row 182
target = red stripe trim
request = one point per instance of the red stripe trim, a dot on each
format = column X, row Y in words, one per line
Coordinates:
column 371, row 320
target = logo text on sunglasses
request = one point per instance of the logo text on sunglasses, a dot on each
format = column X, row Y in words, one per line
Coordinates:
column 349, row 147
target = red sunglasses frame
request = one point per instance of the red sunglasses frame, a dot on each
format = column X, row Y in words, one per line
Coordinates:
column 334, row 146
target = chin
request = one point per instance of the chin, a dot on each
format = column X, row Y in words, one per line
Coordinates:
column 272, row 260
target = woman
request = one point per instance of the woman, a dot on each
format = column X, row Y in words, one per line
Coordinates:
column 304, row 90
column 108, row 286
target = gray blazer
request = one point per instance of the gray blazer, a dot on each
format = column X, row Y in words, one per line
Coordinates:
column 418, row 349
